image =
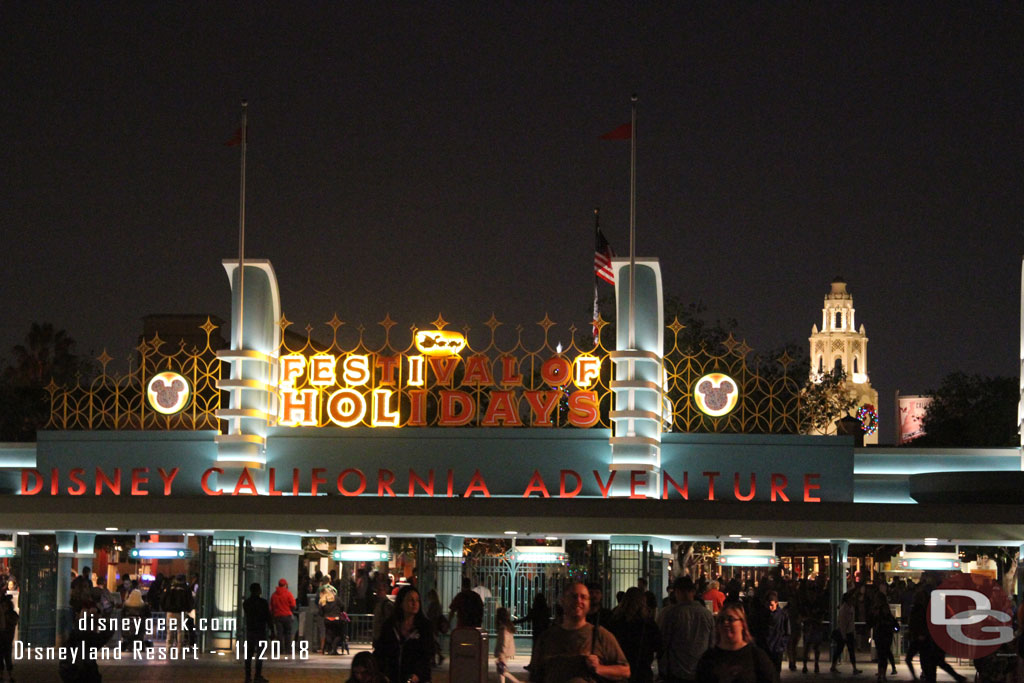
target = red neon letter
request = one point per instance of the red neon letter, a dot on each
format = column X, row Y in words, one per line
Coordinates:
column 779, row 482
column 808, row 486
column 168, row 478
column 341, row 482
column 245, row 481
column 684, row 492
column 206, row 477
column 536, row 485
column 271, row 484
column 711, row 483
column 562, row 493
column 113, row 484
column 75, row 476
column 736, row 487
column 636, row 478
column 317, row 479
column 25, row 474
column 385, row 478
column 427, row 486
column 477, row 484
column 138, row 479
column 601, row 485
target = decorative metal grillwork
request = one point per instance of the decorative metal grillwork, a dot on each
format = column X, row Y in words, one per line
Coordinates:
column 769, row 390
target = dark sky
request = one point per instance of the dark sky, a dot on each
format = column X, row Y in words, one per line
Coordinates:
column 417, row 158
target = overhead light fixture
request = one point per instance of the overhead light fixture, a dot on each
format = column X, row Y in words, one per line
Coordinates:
column 111, row 528
column 322, row 531
column 355, row 533
column 23, row 533
column 511, row 533
column 735, row 535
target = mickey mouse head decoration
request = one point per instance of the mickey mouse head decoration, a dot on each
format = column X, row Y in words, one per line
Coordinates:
column 167, row 392
column 716, row 394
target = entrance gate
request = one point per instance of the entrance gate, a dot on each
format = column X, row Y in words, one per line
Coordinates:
column 37, row 579
column 514, row 584
column 227, row 567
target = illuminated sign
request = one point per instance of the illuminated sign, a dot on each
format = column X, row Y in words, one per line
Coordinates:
column 745, row 557
column 361, row 556
column 716, row 394
column 430, row 483
column 542, row 558
column 168, row 393
column 443, row 390
column 439, row 342
column 159, row 551
column 8, row 551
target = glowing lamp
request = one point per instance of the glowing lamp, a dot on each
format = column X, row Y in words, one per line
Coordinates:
column 439, row 342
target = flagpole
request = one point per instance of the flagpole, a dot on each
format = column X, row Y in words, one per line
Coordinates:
column 597, row 312
column 241, row 236
column 632, row 224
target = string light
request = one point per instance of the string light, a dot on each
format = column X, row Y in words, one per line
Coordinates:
column 868, row 417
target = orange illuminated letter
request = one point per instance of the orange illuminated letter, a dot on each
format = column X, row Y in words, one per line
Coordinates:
column 457, row 409
column 298, row 407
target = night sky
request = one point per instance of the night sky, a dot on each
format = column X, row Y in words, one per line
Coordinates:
column 417, row 158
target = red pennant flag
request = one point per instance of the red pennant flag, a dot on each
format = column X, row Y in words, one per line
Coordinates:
column 236, row 139
column 623, row 132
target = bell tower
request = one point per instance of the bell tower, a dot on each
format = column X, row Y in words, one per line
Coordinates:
column 841, row 345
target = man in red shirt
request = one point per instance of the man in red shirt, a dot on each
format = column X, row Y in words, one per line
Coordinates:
column 715, row 596
column 282, row 606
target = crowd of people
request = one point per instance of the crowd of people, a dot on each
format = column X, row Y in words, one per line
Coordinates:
column 705, row 631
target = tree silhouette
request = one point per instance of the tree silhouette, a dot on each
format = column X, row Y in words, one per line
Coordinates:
column 47, row 355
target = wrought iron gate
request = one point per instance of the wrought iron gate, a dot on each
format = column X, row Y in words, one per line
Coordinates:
column 37, row 578
column 514, row 584
column 625, row 567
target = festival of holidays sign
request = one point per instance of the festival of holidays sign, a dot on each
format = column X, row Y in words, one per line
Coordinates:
column 436, row 387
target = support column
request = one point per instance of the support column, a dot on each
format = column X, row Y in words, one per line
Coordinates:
column 65, row 553
column 839, row 552
column 86, row 552
column 255, row 339
column 638, row 380
column 449, row 568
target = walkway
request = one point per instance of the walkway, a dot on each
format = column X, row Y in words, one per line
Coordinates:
column 212, row 667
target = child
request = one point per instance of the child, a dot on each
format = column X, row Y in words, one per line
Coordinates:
column 505, row 643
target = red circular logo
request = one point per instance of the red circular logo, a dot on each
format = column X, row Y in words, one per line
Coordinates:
column 970, row 617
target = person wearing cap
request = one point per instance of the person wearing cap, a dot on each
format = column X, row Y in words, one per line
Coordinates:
column 687, row 631
column 282, row 606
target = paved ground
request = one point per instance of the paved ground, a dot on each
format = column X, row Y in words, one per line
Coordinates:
column 211, row 667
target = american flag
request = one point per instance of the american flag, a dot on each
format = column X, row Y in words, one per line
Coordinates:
column 603, row 259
